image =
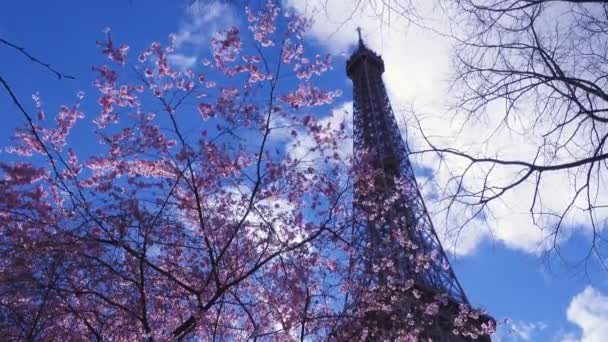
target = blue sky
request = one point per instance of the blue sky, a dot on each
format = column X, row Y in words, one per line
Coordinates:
column 547, row 301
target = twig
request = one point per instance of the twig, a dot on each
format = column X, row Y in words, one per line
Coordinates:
column 48, row 66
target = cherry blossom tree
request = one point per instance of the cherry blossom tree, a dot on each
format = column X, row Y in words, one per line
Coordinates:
column 186, row 216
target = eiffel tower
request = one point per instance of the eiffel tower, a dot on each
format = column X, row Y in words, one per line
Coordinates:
column 400, row 233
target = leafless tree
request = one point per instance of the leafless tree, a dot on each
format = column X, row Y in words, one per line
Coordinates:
column 539, row 69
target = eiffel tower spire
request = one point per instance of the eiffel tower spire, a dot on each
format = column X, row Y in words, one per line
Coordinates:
column 360, row 38
column 402, row 234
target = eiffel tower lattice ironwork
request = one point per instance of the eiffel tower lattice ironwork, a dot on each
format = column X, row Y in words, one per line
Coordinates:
column 378, row 144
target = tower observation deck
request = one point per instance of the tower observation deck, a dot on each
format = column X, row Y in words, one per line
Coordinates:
column 419, row 289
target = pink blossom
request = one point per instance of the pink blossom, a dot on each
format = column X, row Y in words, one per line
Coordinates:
column 36, row 98
column 22, row 173
column 226, row 46
column 66, row 119
column 206, row 110
column 26, row 143
column 431, row 309
column 119, row 55
column 308, row 95
column 262, row 24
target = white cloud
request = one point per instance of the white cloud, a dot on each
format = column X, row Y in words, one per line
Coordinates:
column 196, row 28
column 182, row 61
column 302, row 146
column 589, row 310
column 417, row 67
column 526, row 331
column 201, row 22
column 567, row 337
